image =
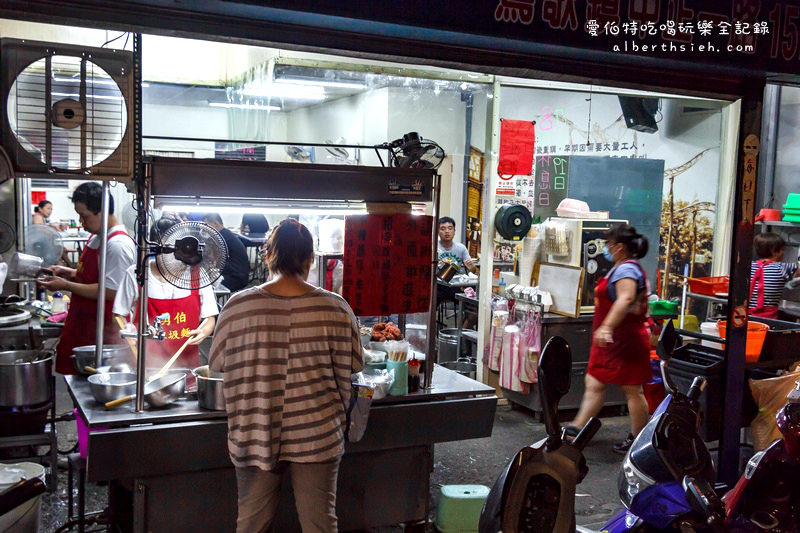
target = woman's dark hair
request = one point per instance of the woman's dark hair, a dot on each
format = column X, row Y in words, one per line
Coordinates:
column 625, row 234
column 41, row 205
column 91, row 195
column 289, row 247
column 161, row 225
column 445, row 220
column 766, row 245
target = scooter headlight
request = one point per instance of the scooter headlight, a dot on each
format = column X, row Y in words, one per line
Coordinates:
column 631, row 481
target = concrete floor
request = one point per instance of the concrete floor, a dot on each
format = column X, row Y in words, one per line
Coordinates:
column 477, row 461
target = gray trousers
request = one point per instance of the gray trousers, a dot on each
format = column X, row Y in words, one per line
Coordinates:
column 314, row 486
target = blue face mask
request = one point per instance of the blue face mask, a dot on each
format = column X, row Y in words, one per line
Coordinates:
column 608, row 255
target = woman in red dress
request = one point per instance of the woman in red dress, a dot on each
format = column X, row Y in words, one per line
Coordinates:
column 620, row 353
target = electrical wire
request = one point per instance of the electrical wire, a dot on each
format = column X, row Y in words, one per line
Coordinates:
column 120, row 36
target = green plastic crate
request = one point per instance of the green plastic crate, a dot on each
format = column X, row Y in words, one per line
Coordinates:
column 791, row 218
column 792, row 201
column 459, row 509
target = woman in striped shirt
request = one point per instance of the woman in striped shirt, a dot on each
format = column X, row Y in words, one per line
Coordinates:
column 768, row 275
column 287, row 349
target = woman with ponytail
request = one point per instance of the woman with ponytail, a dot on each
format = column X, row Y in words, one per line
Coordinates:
column 620, row 353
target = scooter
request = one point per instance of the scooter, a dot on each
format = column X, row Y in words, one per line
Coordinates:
column 668, row 449
column 767, row 496
column 536, row 491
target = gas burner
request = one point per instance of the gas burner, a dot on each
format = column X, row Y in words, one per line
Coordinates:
column 13, row 316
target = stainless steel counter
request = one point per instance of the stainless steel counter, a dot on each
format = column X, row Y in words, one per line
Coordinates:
column 169, row 466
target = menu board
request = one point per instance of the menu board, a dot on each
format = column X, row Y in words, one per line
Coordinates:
column 552, row 180
column 388, row 261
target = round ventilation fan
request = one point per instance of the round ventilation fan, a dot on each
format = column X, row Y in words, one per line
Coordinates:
column 8, row 237
column 43, row 241
column 191, row 255
column 67, row 112
column 412, row 151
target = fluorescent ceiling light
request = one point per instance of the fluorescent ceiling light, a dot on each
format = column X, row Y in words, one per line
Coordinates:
column 322, row 83
column 245, row 106
column 288, row 210
column 97, row 96
column 286, row 90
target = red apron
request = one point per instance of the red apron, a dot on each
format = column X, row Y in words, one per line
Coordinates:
column 626, row 361
column 184, row 316
column 761, row 310
column 80, row 327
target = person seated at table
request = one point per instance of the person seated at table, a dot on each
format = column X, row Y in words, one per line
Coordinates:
column 187, row 309
column 255, row 223
column 236, row 273
column 42, row 212
column 768, row 275
column 454, row 252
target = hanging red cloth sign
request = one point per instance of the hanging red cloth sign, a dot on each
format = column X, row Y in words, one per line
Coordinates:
column 517, row 138
column 387, row 263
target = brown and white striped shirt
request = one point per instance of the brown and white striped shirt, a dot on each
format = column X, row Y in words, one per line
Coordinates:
column 287, row 364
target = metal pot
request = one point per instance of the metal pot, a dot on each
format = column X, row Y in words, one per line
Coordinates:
column 209, row 388
column 84, row 356
column 446, row 271
column 25, row 377
column 26, row 266
column 110, row 386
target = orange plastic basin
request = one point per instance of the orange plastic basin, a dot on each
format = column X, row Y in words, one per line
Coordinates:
column 756, row 335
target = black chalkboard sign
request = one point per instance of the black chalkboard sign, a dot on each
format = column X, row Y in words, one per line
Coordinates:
column 552, row 183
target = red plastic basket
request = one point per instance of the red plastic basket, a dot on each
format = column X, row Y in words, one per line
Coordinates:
column 709, row 286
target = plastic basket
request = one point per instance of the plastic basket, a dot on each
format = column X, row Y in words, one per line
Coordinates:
column 792, row 200
column 756, row 335
column 663, row 307
column 709, row 285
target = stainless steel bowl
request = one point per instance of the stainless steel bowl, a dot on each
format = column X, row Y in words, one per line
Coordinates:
column 84, row 356
column 110, row 386
column 165, row 390
column 209, row 388
column 25, row 377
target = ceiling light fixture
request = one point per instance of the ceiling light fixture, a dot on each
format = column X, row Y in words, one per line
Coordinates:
column 288, row 210
column 245, row 106
column 322, row 83
column 285, row 90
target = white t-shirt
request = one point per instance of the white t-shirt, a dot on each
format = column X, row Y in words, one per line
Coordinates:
column 128, row 294
column 120, row 255
column 457, row 252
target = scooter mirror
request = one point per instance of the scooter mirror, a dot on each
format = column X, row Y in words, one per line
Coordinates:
column 701, row 497
column 668, row 340
column 555, row 369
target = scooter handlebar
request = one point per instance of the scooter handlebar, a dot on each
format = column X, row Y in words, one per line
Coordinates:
column 586, row 433
column 697, row 388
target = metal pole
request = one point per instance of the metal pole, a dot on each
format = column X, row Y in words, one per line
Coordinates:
column 101, row 279
column 468, row 99
column 431, row 357
column 142, row 272
column 739, row 292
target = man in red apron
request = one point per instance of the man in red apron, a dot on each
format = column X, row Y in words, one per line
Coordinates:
column 620, row 352
column 81, row 323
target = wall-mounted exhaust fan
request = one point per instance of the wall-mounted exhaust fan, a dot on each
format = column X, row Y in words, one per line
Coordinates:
column 66, row 109
column 412, row 151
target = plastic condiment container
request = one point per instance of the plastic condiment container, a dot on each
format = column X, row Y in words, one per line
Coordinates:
column 710, row 328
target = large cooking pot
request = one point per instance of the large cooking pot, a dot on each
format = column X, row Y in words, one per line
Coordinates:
column 113, row 354
column 25, row 377
column 209, row 389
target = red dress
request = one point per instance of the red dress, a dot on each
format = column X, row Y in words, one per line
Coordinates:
column 81, row 323
column 626, row 361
